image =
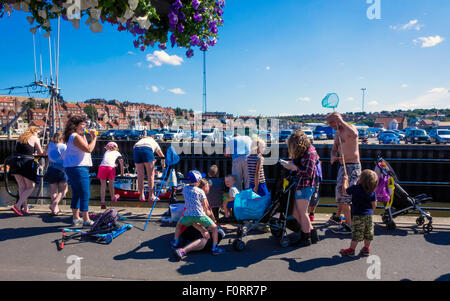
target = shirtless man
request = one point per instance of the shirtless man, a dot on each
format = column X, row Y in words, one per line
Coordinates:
column 345, row 149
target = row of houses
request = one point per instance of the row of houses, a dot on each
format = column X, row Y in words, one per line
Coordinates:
column 109, row 116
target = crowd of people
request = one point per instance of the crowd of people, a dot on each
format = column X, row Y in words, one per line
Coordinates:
column 69, row 157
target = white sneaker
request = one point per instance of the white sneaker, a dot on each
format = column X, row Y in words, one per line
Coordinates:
column 77, row 221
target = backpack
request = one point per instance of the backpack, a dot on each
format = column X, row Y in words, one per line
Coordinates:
column 106, row 220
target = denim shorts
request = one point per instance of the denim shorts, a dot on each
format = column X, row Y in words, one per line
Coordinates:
column 304, row 194
column 55, row 175
column 143, row 154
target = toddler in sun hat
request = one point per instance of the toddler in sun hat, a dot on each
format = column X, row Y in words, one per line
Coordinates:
column 194, row 214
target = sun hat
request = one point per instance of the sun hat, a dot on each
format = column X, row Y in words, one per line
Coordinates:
column 111, row 144
column 194, row 176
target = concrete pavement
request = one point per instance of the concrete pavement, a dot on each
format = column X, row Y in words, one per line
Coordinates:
column 28, row 249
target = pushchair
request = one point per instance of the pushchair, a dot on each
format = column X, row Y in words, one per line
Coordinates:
column 278, row 206
column 106, row 227
column 397, row 200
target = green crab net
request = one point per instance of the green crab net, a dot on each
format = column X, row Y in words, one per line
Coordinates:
column 330, row 101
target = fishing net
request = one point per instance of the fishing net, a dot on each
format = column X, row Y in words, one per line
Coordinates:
column 330, row 101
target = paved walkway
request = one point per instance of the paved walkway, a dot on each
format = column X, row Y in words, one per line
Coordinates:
column 29, row 252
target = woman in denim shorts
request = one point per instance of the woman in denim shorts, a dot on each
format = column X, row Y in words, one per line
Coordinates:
column 304, row 158
column 144, row 159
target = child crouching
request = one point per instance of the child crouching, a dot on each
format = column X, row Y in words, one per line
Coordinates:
column 364, row 203
column 195, row 202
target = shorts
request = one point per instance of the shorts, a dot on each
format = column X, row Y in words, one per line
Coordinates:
column 262, row 188
column 304, row 194
column 230, row 205
column 55, row 175
column 205, row 221
column 362, row 228
column 143, row 154
column 353, row 172
column 106, row 173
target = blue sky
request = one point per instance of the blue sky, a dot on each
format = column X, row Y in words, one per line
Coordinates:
column 273, row 58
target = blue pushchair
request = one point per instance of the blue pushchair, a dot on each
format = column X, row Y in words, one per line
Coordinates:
column 273, row 210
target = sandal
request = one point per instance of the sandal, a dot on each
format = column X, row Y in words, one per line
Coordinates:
column 16, row 211
column 116, row 197
column 59, row 212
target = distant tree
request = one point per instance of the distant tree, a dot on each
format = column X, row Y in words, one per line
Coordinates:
column 91, row 112
column 30, row 103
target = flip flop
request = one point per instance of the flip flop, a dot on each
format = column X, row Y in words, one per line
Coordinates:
column 56, row 213
column 16, row 211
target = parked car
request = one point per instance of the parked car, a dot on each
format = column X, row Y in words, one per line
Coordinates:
column 388, row 138
column 284, row 135
column 122, row 134
column 440, row 136
column 363, row 134
column 328, row 130
column 400, row 133
column 320, row 135
column 174, row 135
column 108, row 135
column 310, row 134
column 418, row 136
column 159, row 134
column 211, row 135
column 135, row 135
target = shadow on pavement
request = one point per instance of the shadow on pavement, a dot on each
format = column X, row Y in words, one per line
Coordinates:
column 438, row 238
column 315, row 263
column 17, row 233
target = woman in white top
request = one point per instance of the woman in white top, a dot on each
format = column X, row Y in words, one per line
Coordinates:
column 77, row 160
column 144, row 159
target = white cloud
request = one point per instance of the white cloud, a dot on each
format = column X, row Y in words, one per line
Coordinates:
column 177, row 91
column 350, row 98
column 413, row 24
column 155, row 89
column 159, row 58
column 404, row 86
column 434, row 98
column 131, row 53
column 139, row 64
column 268, row 68
column 305, row 99
column 429, row 41
column 373, row 103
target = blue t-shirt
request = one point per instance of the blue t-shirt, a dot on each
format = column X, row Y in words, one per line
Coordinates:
column 361, row 201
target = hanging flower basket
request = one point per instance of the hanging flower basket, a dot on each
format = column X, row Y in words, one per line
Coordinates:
column 182, row 23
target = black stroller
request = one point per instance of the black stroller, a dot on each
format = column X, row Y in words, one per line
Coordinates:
column 277, row 215
column 401, row 202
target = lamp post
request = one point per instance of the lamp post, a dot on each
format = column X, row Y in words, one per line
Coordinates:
column 363, row 90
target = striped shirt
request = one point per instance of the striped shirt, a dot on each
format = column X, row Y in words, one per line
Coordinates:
column 252, row 161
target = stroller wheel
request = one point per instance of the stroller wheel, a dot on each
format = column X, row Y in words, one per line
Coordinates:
column 284, row 242
column 276, row 232
column 391, row 226
column 420, row 221
column 108, row 238
column 238, row 245
column 427, row 228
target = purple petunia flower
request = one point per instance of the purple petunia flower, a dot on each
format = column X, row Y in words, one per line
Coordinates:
column 143, row 48
column 213, row 42
column 177, row 5
column 181, row 16
column 180, row 28
column 136, row 44
column 195, row 4
column 173, row 18
column 195, row 40
column 173, row 40
column 162, row 46
column 190, row 53
column 198, row 17
column 204, row 46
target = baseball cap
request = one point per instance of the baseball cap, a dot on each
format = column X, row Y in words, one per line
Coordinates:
column 194, row 176
column 111, row 144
